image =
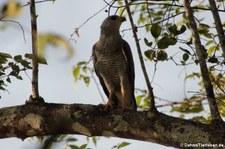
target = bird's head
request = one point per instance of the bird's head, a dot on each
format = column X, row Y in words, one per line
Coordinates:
column 112, row 24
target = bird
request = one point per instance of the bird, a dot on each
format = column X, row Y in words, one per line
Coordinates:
column 114, row 65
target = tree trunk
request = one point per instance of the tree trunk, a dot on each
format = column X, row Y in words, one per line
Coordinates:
column 202, row 55
column 51, row 119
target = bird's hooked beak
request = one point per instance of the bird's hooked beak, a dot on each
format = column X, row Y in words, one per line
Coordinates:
column 123, row 19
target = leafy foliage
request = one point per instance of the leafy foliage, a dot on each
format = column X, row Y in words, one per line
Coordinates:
column 170, row 40
column 82, row 72
column 53, row 40
column 187, row 107
column 12, row 67
column 120, row 145
column 11, row 9
column 169, row 27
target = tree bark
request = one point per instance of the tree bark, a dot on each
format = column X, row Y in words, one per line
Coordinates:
column 34, row 36
column 148, row 83
column 219, row 26
column 52, row 119
column 202, row 55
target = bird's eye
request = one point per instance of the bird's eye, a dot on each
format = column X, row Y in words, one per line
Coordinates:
column 113, row 18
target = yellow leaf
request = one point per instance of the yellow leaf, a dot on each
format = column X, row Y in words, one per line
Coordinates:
column 53, row 40
column 12, row 9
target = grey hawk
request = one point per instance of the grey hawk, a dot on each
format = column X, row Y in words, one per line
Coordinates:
column 114, row 65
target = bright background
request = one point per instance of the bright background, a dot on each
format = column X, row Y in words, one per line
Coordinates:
column 56, row 79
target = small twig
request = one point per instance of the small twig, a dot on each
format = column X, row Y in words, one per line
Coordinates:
column 97, row 85
column 76, row 30
column 172, row 103
column 21, row 27
column 110, row 5
column 149, row 86
column 166, row 4
column 160, row 21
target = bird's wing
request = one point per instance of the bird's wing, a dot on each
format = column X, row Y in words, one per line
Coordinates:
column 97, row 73
column 130, row 69
column 130, row 63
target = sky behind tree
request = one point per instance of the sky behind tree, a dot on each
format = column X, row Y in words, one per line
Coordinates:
column 56, row 79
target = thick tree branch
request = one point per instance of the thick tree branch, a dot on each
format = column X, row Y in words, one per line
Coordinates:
column 219, row 27
column 52, row 119
column 201, row 53
column 148, row 83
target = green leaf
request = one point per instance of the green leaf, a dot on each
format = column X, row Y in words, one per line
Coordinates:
column 193, row 75
column 42, row 60
column 141, row 18
column 211, row 50
column 161, row 55
column 172, row 41
column 15, row 68
column 187, row 107
column 207, row 35
column 147, row 28
column 86, row 80
column 185, row 50
column 71, row 140
column 177, row 10
column 212, row 59
column 81, row 63
column 94, row 139
column 18, row 58
column 62, row 137
column 29, row 56
column 185, row 57
column 149, row 44
column 76, row 73
column 120, row 3
column 74, row 147
column 183, row 62
column 19, row 77
column 173, row 29
column 208, row 42
column 150, row 54
column 138, row 100
column 26, row 64
column 84, row 146
column 5, row 55
column 8, row 79
column 166, row 41
column 200, row 119
column 123, row 144
column 196, row 62
column 84, row 69
column 156, row 30
column 163, row 43
column 182, row 29
column 203, row 28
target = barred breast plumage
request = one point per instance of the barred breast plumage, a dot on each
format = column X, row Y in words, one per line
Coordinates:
column 113, row 63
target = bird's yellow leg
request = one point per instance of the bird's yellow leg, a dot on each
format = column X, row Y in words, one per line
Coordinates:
column 110, row 103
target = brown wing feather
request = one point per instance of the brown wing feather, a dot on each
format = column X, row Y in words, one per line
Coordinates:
column 130, row 68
